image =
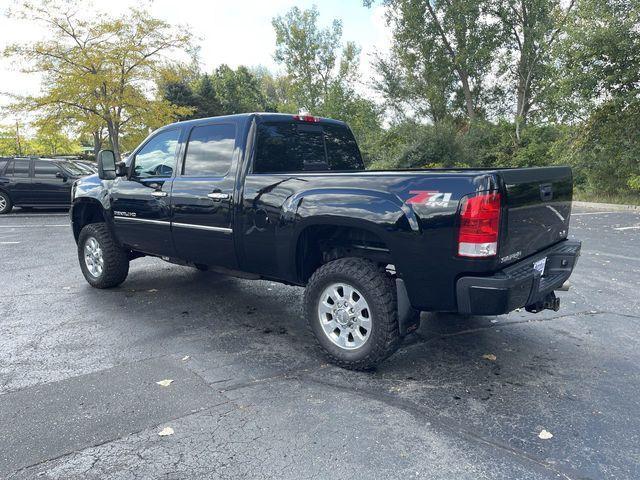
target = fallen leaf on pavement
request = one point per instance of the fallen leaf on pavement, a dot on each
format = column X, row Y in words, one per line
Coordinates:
column 165, row 383
column 153, row 290
column 185, row 358
column 544, row 435
column 166, row 431
column 489, row 356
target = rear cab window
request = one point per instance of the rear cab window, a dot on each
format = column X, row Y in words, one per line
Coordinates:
column 300, row 146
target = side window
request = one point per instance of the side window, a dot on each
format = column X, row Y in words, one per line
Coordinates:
column 45, row 169
column 21, row 168
column 342, row 150
column 158, row 157
column 210, row 151
column 3, row 163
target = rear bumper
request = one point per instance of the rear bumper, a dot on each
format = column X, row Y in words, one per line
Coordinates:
column 518, row 285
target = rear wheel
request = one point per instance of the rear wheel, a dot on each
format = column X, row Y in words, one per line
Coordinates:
column 351, row 307
column 103, row 262
column 6, row 205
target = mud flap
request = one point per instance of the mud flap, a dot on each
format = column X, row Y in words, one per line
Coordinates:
column 408, row 317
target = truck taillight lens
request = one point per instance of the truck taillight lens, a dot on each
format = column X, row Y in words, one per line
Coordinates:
column 479, row 225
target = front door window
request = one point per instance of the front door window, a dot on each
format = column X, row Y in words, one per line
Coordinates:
column 158, row 157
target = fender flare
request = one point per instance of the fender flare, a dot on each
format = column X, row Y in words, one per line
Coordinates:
column 380, row 213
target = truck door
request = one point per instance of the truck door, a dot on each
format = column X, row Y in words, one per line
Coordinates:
column 202, row 196
column 141, row 202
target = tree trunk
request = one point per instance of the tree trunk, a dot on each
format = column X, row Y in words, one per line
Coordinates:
column 114, row 133
column 18, row 144
column 97, row 143
column 468, row 98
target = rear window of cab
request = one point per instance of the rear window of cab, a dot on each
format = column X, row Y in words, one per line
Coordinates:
column 309, row 147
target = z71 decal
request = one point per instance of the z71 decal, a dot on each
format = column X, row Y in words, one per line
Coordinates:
column 429, row 198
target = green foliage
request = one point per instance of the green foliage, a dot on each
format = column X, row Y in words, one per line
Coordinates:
column 309, row 55
column 441, row 55
column 98, row 67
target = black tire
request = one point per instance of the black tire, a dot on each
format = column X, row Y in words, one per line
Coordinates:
column 115, row 266
column 7, row 204
column 379, row 292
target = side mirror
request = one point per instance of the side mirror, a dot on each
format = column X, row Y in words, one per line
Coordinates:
column 62, row 176
column 106, row 165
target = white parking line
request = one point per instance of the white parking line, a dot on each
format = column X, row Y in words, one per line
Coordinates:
column 9, row 243
column 32, row 226
column 590, row 213
column 634, row 227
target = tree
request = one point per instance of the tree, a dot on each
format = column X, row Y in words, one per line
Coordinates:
column 240, row 91
column 310, row 54
column 532, row 27
column 207, row 101
column 322, row 75
column 598, row 86
column 100, row 66
column 440, row 47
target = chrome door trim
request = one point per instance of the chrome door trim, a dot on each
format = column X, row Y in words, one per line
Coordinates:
column 143, row 220
column 175, row 224
column 202, row 227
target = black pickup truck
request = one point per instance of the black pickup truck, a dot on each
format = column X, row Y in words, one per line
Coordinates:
column 286, row 198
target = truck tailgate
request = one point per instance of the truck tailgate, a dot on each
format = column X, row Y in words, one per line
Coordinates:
column 538, row 209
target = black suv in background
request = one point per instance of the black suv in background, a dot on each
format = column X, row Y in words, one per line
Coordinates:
column 36, row 182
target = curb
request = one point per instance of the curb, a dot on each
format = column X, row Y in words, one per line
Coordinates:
column 608, row 206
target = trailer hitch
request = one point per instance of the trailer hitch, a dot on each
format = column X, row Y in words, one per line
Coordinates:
column 550, row 302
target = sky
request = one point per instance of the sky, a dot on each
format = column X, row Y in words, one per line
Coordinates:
column 235, row 32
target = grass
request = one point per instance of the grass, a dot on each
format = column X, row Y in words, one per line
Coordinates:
column 624, row 199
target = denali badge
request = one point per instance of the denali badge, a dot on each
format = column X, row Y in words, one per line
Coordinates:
column 429, row 198
column 124, row 214
column 512, row 256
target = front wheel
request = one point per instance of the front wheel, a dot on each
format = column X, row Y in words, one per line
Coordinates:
column 103, row 262
column 351, row 307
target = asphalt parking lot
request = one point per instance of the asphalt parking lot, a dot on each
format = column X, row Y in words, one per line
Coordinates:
column 253, row 397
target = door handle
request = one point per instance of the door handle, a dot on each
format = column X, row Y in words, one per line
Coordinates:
column 159, row 193
column 217, row 196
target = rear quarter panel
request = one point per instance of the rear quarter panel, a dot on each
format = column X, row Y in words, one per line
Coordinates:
column 276, row 208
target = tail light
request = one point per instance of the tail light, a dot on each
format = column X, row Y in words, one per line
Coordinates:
column 479, row 225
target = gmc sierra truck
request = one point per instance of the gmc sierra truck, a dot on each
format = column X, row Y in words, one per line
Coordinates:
column 286, row 198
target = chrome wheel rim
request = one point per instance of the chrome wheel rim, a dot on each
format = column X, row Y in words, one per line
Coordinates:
column 345, row 316
column 3, row 202
column 93, row 258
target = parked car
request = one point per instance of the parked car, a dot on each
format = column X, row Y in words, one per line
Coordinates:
column 36, row 182
column 286, row 198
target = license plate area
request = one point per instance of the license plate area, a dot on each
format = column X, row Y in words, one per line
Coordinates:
column 540, row 265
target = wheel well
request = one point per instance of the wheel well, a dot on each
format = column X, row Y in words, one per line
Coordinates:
column 319, row 244
column 85, row 213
